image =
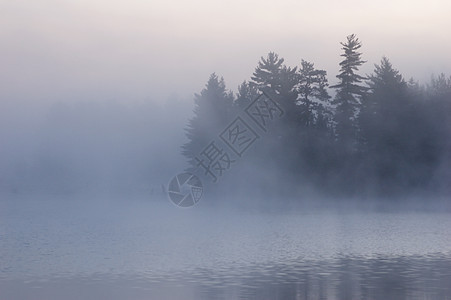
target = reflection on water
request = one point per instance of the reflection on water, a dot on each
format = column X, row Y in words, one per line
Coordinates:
column 68, row 250
column 342, row 278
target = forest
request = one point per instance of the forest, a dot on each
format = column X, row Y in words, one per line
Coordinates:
column 376, row 135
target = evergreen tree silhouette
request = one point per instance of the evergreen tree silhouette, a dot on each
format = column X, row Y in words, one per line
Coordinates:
column 349, row 92
column 212, row 112
column 267, row 73
column 313, row 97
column 382, row 123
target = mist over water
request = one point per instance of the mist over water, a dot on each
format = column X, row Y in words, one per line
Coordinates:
column 91, row 147
column 239, row 150
column 85, row 214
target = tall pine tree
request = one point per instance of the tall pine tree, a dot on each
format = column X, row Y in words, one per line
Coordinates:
column 349, row 92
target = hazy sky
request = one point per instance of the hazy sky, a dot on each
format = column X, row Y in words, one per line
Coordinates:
column 149, row 49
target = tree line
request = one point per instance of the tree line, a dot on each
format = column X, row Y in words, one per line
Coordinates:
column 377, row 135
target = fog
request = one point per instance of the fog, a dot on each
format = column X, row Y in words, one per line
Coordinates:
column 225, row 150
column 113, row 98
column 75, row 145
column 91, row 147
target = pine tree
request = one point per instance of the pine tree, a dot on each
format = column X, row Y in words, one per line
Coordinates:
column 313, row 137
column 380, row 108
column 313, row 97
column 281, row 80
column 212, row 112
column 267, row 73
column 349, row 91
column 398, row 138
column 273, row 74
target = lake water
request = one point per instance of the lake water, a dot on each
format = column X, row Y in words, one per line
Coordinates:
column 135, row 249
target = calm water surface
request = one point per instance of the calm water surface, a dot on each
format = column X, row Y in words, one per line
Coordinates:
column 102, row 249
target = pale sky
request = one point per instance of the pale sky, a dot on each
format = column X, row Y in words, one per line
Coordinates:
column 53, row 50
